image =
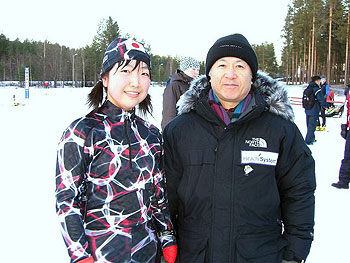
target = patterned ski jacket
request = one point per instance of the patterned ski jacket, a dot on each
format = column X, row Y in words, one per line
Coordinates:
column 113, row 159
column 233, row 188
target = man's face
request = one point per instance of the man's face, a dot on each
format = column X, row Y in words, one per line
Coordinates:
column 318, row 81
column 231, row 80
column 323, row 81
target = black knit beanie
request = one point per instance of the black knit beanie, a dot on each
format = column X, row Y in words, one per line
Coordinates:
column 235, row 45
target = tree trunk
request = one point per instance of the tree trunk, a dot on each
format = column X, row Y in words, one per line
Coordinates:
column 347, row 60
column 287, row 66
column 296, row 68
column 95, row 70
column 309, row 59
column 315, row 59
column 312, row 45
column 333, row 71
column 304, row 68
column 293, row 74
column 329, row 42
column 84, row 81
column 44, row 64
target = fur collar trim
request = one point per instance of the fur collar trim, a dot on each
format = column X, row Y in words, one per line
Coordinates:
column 273, row 92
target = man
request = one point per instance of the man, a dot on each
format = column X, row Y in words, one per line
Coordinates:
column 325, row 92
column 312, row 114
column 179, row 84
column 344, row 171
column 238, row 171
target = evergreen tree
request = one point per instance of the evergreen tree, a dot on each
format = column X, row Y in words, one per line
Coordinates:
column 267, row 58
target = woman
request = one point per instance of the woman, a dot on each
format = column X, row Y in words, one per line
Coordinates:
column 178, row 85
column 109, row 183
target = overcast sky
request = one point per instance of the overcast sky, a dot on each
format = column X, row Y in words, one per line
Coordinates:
column 176, row 28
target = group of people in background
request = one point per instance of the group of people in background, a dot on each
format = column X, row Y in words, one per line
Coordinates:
column 324, row 98
column 230, row 178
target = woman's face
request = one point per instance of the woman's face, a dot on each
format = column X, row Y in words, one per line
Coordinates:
column 192, row 72
column 126, row 86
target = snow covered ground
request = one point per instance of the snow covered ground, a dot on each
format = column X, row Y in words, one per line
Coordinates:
column 29, row 135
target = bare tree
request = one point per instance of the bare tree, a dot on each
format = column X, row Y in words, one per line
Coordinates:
column 347, row 60
column 313, row 43
column 330, row 40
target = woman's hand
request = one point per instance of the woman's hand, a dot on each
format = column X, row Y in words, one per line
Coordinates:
column 170, row 253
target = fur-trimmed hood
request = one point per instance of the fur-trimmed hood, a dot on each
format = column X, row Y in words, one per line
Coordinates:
column 274, row 93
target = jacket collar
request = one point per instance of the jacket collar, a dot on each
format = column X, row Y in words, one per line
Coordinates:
column 115, row 113
column 272, row 92
column 314, row 85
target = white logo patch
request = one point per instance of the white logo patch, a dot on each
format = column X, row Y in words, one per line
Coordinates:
column 259, row 157
column 257, row 142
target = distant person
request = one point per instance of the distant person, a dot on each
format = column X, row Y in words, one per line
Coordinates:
column 312, row 114
column 344, row 172
column 330, row 98
column 110, row 195
column 15, row 103
column 240, row 179
column 179, row 84
column 168, row 80
column 325, row 89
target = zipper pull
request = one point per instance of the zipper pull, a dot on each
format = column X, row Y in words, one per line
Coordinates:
column 126, row 121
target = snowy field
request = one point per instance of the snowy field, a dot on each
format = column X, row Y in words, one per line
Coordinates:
column 30, row 133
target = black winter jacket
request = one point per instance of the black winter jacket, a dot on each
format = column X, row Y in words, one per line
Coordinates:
column 242, row 192
column 319, row 100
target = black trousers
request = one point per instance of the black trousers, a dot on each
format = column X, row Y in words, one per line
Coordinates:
column 344, row 172
column 323, row 116
column 311, row 122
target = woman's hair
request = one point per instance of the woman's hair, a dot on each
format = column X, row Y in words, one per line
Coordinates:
column 95, row 97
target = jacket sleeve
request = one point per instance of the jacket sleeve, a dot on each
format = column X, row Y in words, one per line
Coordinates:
column 69, row 186
column 161, row 215
column 170, row 97
column 327, row 89
column 173, row 173
column 321, row 99
column 296, row 183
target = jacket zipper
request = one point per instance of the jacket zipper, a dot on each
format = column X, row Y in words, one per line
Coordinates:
column 233, row 251
column 127, row 120
column 211, row 254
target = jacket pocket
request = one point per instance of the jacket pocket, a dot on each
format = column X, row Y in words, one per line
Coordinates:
column 195, row 186
column 260, row 248
column 199, row 157
column 193, row 246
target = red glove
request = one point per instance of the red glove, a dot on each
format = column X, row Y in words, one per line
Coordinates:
column 170, row 253
column 87, row 260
